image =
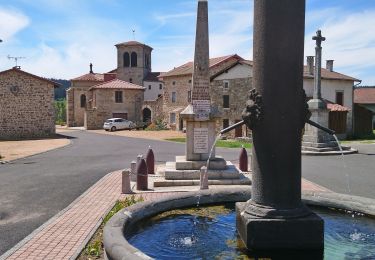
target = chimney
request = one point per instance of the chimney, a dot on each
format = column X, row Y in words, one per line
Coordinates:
column 91, row 69
column 329, row 65
column 310, row 64
column 109, row 76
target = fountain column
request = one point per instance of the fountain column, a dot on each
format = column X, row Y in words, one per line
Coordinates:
column 275, row 217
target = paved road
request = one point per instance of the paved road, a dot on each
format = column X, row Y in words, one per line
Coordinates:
column 34, row 189
column 352, row 174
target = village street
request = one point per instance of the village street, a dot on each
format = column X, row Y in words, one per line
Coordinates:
column 34, row 189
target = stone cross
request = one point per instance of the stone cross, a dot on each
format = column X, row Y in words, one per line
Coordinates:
column 318, row 64
column 319, row 38
column 91, row 71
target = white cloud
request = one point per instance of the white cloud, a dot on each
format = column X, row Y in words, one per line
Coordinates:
column 11, row 22
column 350, row 41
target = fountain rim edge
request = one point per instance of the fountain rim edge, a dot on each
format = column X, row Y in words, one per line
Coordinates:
column 116, row 245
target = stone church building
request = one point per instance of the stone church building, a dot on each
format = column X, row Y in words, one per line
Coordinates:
column 130, row 91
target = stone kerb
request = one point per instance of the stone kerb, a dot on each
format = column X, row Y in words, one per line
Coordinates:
column 117, row 247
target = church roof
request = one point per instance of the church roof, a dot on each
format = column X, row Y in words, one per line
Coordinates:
column 132, row 43
column 326, row 74
column 18, row 70
column 187, row 68
column 117, row 84
column 90, row 77
column 364, row 95
column 152, row 76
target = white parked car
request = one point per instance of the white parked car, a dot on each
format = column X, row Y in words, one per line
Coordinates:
column 114, row 124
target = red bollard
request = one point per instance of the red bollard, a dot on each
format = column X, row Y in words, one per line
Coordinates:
column 150, row 161
column 142, row 179
column 243, row 160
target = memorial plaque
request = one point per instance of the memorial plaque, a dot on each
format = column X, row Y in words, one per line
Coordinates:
column 202, row 109
column 200, row 140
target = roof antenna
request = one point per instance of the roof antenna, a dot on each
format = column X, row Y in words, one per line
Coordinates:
column 16, row 60
column 133, row 34
column 91, row 71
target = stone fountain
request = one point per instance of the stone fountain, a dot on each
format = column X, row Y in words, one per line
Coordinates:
column 273, row 216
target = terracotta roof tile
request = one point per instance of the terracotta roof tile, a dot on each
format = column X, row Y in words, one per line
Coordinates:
column 364, row 95
column 90, row 77
column 336, row 107
column 187, row 68
column 117, row 84
column 55, row 84
column 132, row 43
column 152, row 76
column 326, row 74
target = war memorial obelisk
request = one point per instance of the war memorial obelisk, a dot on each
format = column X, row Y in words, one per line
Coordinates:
column 200, row 117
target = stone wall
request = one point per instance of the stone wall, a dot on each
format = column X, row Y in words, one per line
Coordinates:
column 137, row 74
column 26, row 111
column 75, row 113
column 95, row 119
column 156, row 108
column 182, row 85
column 237, row 91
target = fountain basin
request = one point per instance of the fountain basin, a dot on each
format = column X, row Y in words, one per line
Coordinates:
column 117, row 247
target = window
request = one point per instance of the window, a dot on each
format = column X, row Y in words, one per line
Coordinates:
column 226, row 85
column 83, row 100
column 126, row 59
column 134, row 59
column 189, row 96
column 118, row 96
column 189, row 80
column 225, row 123
column 340, row 98
column 172, row 118
column 149, row 86
column 174, row 83
column 131, row 80
column 173, row 97
column 146, row 61
column 226, row 101
column 160, row 86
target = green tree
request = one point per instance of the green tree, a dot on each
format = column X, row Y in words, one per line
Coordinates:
column 60, row 111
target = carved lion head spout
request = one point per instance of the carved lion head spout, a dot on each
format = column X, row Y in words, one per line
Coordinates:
column 253, row 112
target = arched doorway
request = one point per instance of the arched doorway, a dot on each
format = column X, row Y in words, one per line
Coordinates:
column 146, row 115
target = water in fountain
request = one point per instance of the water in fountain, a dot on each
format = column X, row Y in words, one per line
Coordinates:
column 343, row 162
column 215, row 236
column 209, row 158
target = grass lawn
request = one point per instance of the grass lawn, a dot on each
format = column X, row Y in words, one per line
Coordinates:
column 365, row 139
column 94, row 248
column 220, row 143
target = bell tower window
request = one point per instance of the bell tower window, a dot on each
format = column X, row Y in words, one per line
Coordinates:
column 134, row 59
column 126, row 59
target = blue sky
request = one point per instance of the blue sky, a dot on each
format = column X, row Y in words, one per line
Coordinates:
column 59, row 38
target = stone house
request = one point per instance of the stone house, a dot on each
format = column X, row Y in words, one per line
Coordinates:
column 113, row 98
column 26, row 105
column 133, row 66
column 231, row 79
column 337, row 91
column 178, row 86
